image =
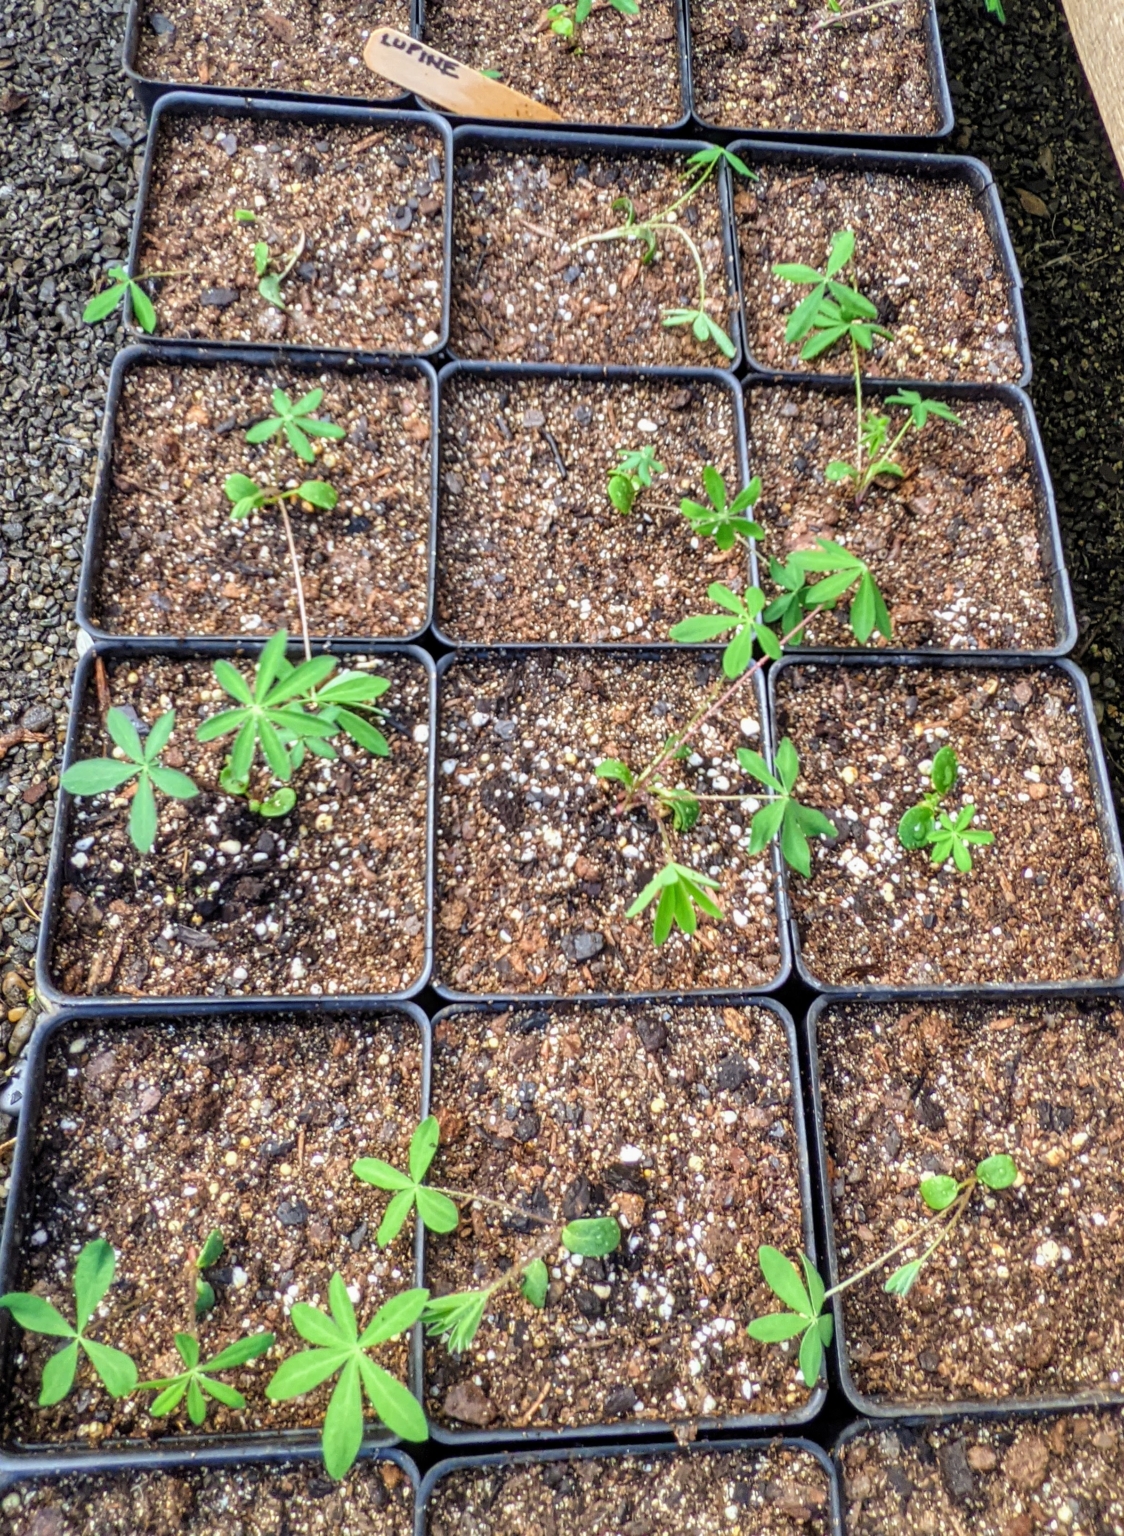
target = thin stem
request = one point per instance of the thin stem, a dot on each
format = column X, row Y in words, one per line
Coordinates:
column 501, row 1205
column 842, row 18
column 631, row 232
column 950, row 1215
column 690, row 192
column 296, row 574
column 858, row 407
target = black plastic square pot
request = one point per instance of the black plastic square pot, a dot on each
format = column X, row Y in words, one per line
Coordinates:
column 962, row 169
column 1049, row 531
column 54, row 1457
column 619, row 1429
column 1102, row 806
column 51, row 992
column 588, row 373
column 191, row 104
column 300, row 360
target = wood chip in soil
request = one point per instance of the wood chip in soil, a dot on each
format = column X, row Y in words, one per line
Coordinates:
column 369, row 207
column 679, row 1123
column 534, row 869
column 522, row 292
column 376, row 1500
column 960, row 548
column 531, row 547
column 762, row 66
column 775, row 1491
column 625, row 71
column 229, row 903
column 173, row 562
column 151, row 1136
column 1021, row 1301
column 1005, row 1477
column 287, row 45
column 1037, row 905
column 923, row 256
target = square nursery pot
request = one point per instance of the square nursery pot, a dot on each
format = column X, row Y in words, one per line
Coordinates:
column 932, row 252
column 533, row 868
column 768, row 1487
column 1015, row 1311
column 370, row 262
column 248, row 914
column 1040, row 908
column 150, row 1133
column 683, row 1121
column 530, row 549
column 631, row 72
column 288, row 53
column 966, row 550
column 203, row 1492
column 987, row 1475
column 522, row 293
column 764, row 82
column 165, row 563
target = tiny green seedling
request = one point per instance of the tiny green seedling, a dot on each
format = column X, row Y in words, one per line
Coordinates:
column 926, row 826
column 103, row 304
column 270, row 271
column 198, row 1380
column 630, row 475
column 208, row 1256
column 139, row 760
column 782, row 815
column 882, row 459
column 298, row 423
column 566, row 21
column 807, row 1297
column 93, row 1275
column 247, row 496
column 723, row 520
column 437, row 1212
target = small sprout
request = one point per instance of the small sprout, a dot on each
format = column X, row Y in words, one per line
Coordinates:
column 742, row 616
column 832, row 311
column 93, row 1275
column 783, row 815
column 244, row 216
column 927, row 826
column 269, row 281
column 631, row 475
column 209, row 1255
column 140, row 761
column 492, row 74
column 841, row 571
column 806, row 1316
column 723, row 520
column 197, row 1381
column 437, row 1211
column 247, row 496
column 566, row 21
column 680, row 891
column 102, row 305
column 298, row 424
column 874, row 430
column 339, row 1349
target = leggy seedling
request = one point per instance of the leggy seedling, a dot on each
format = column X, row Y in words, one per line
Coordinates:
column 247, row 496
column 927, row 826
column 630, row 475
column 806, row 1298
column 139, row 760
column 271, row 271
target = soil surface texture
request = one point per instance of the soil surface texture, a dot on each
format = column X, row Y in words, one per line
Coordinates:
column 173, row 561
column 1038, row 903
column 679, row 1123
column 523, row 291
column 356, row 215
column 923, row 256
column 531, row 548
column 232, row 904
column 1007, row 1478
column 959, row 547
column 534, row 868
column 776, row 1491
column 1018, row 1303
column 760, row 66
column 151, row 1137
column 624, row 69
column 287, row 45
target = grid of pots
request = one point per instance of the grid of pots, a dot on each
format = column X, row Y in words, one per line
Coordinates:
column 261, row 1001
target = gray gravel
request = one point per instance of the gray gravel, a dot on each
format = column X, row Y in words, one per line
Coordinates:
column 68, row 161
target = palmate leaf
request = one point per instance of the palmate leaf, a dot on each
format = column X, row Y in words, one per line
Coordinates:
column 677, row 891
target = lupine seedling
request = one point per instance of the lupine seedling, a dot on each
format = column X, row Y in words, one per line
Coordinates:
column 102, row 305
column 247, row 496
column 927, row 826
column 630, row 475
column 436, row 1211
column 93, row 1275
column 209, row 1255
column 875, row 430
column 805, row 1298
column 270, row 271
column 296, row 420
column 198, row 1380
column 140, row 760
column 723, row 520
column 567, row 20
column 340, row 1349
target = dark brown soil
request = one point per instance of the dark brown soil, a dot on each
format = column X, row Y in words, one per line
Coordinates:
column 958, row 548
column 625, row 71
column 370, row 271
column 679, row 1123
column 1020, row 1302
column 522, row 292
column 1038, row 904
column 152, row 1136
column 376, row 1500
column 774, row 1491
column 923, row 255
column 1007, row 1478
column 229, row 903
column 534, row 870
column 286, row 45
column 172, row 560
column 762, row 66
column 532, row 549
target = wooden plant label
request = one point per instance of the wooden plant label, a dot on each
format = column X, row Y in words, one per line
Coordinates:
column 446, row 81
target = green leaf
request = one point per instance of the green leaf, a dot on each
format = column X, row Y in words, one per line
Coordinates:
column 787, row 764
column 794, row 845
column 364, row 734
column 457, row 1316
column 316, row 1327
column 159, row 736
column 943, row 773
column 394, row 1217
column 715, row 487
column 665, row 877
column 222, row 1393
column 99, row 308
column 621, row 493
column 811, row 1357
column 304, row 1372
column 244, row 216
column 900, row 1283
column 841, row 251
column 398, row 1409
column 260, row 432
column 270, row 290
column 231, row 681
column 862, row 611
column 238, row 487
column 117, row 1371
column 998, row 1172
column 765, row 826
column 536, row 1283
column 143, row 309
column 437, row 1211
column 782, row 1279
column 916, row 827
column 342, row 1307
column 173, row 783
column 169, row 1399
column 593, row 1237
column 665, row 915
column 241, row 1352
column 939, row 1192
column 261, row 259
column 423, row 1147
column 96, row 776
column 342, row 1434
column 124, row 734
column 187, row 1347
column 372, row 1170
column 816, row 1289
column 739, row 653
column 318, row 493
column 776, row 1327
column 93, row 1275
column 142, row 815
column 394, row 1317
column 755, row 765
column 36, row 1315
column 353, row 688
column 196, row 1406
column 613, row 768
column 204, row 1297
column 58, row 1375
column 768, row 642
column 707, row 626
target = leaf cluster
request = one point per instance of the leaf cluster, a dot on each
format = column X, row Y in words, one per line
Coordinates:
column 209, row 1255
column 874, row 432
column 567, row 20
column 436, row 1211
column 296, row 420
column 927, row 826
column 832, row 311
column 840, row 572
column 140, row 760
column 805, row 1318
column 197, row 1380
column 631, row 475
column 782, row 815
column 102, row 305
column 247, row 495
column 723, row 520
column 678, row 892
